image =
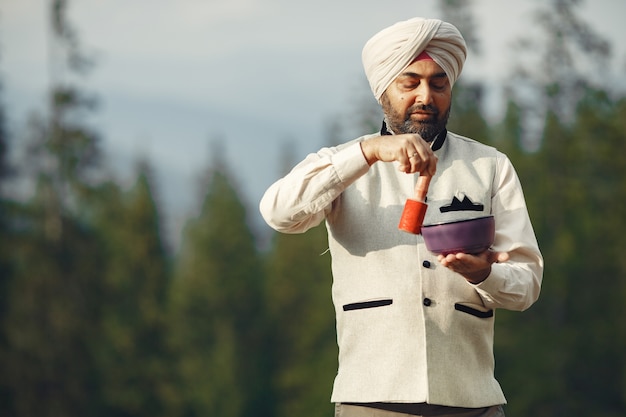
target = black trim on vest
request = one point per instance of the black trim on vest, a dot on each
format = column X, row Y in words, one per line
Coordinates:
column 474, row 312
column 367, row 304
column 383, row 130
column 417, row 409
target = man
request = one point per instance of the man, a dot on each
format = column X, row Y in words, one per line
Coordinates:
column 415, row 330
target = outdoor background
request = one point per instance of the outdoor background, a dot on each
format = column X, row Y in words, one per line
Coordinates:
column 136, row 139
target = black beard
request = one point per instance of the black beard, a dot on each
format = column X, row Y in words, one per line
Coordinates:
column 428, row 130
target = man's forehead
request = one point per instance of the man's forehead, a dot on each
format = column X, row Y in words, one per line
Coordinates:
column 423, row 69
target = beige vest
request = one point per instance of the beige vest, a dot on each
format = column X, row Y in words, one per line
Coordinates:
column 408, row 329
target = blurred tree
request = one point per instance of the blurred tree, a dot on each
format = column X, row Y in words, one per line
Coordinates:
column 467, row 113
column 466, row 116
column 131, row 351
column 507, row 135
column 556, row 64
column 301, row 316
column 5, row 263
column 4, row 144
column 50, row 319
column 304, row 348
column 51, row 309
column 574, row 190
column 461, row 15
column 573, row 184
column 64, row 152
column 616, row 162
column 217, row 314
column 362, row 116
column 597, row 344
column 530, row 346
column 50, row 313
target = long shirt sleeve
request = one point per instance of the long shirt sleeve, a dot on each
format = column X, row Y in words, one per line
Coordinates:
column 514, row 285
column 301, row 199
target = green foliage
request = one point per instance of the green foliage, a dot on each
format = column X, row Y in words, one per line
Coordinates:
column 51, row 270
column 572, row 338
column 49, row 318
column 5, row 242
column 303, row 325
column 217, row 311
column 466, row 113
column 130, row 349
column 97, row 319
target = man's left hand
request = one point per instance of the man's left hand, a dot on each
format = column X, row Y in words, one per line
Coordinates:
column 474, row 268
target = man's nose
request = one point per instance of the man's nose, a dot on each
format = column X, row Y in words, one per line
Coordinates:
column 423, row 94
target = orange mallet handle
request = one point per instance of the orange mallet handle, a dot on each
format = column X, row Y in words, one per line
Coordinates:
column 415, row 209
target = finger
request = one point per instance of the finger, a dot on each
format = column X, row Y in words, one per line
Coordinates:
column 425, row 160
column 404, row 168
column 495, row 257
column 422, row 162
column 407, row 159
column 421, row 152
column 431, row 167
column 503, row 257
column 413, row 155
column 405, row 164
column 415, row 160
column 443, row 261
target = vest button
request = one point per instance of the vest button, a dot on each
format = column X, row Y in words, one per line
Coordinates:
column 427, row 301
column 426, row 264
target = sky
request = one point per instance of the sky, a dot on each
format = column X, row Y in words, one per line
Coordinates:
column 171, row 76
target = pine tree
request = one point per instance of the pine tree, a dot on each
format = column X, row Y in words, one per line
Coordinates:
column 466, row 116
column 50, row 312
column 598, row 215
column 467, row 112
column 217, row 310
column 6, row 274
column 571, row 183
column 301, row 313
column 131, row 350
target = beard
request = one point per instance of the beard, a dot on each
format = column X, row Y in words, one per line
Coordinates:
column 403, row 123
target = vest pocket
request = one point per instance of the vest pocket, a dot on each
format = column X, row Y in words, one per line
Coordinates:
column 473, row 311
column 368, row 304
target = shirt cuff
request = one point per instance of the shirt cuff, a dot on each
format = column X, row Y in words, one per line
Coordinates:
column 350, row 163
column 491, row 284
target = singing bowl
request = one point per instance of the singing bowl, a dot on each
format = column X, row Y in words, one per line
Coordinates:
column 468, row 236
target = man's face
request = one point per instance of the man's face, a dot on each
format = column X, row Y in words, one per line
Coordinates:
column 418, row 100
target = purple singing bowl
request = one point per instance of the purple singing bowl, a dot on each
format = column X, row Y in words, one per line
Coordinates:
column 468, row 236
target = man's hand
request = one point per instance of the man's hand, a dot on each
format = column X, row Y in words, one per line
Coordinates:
column 474, row 268
column 410, row 150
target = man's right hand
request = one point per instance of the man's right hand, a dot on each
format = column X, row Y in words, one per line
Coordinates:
column 411, row 151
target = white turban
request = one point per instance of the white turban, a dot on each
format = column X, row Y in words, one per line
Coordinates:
column 393, row 49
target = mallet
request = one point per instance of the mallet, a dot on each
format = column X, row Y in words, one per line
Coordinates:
column 415, row 209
